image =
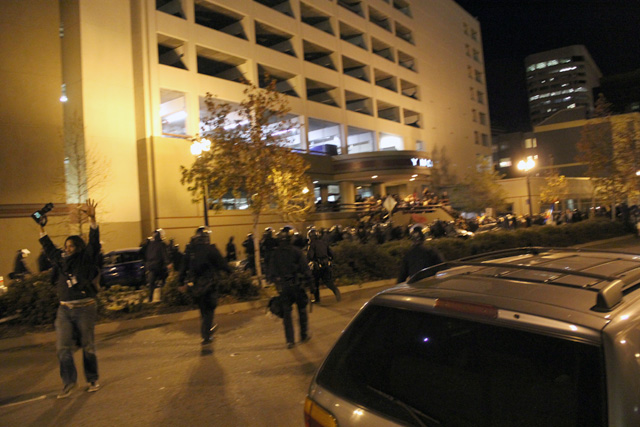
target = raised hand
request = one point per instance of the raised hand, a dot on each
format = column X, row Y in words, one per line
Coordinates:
column 90, row 209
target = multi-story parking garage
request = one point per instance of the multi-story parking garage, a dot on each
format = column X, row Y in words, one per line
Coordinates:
column 376, row 87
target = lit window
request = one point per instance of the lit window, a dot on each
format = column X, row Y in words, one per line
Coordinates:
column 571, row 106
column 530, row 143
column 541, row 65
column 552, row 63
column 505, row 163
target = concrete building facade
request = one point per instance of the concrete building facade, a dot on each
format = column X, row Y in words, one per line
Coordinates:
column 374, row 85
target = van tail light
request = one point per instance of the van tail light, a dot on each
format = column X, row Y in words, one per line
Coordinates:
column 483, row 310
column 316, row 416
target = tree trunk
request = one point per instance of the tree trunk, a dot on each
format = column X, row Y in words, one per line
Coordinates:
column 256, row 247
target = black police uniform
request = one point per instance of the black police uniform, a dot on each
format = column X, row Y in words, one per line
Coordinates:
column 320, row 255
column 289, row 271
column 202, row 262
column 417, row 258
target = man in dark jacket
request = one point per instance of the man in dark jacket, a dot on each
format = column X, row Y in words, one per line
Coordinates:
column 319, row 254
column 289, row 271
column 418, row 257
column 156, row 261
column 267, row 245
column 202, row 263
column 75, row 268
column 250, row 251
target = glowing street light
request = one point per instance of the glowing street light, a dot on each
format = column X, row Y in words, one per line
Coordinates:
column 526, row 166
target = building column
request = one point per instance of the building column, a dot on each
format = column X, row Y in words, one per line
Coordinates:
column 324, row 193
column 347, row 192
column 378, row 189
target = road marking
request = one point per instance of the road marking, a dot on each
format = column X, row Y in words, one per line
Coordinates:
column 44, row 396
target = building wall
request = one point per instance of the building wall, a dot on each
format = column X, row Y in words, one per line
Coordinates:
column 31, row 126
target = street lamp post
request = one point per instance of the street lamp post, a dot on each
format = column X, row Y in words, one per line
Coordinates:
column 526, row 166
column 197, row 147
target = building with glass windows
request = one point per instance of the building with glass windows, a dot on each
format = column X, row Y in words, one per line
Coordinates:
column 103, row 96
column 560, row 79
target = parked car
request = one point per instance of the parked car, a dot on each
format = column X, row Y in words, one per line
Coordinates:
column 527, row 337
column 123, row 267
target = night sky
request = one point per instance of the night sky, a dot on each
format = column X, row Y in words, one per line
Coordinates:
column 513, row 29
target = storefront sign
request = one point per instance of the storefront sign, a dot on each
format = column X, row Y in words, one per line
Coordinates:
column 425, row 163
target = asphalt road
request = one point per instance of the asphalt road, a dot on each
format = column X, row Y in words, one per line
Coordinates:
column 161, row 376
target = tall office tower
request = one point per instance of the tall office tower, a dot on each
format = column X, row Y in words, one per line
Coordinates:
column 560, row 79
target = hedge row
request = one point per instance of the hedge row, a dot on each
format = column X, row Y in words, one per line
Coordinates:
column 357, row 263
column 34, row 301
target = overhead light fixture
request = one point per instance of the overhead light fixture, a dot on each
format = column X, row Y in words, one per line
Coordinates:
column 415, row 175
column 315, row 182
column 63, row 95
column 412, row 179
column 374, row 176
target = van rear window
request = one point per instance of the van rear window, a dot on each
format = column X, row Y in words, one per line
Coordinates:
column 462, row 373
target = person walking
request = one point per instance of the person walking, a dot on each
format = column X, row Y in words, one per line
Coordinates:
column 202, row 263
column 267, row 245
column 289, row 271
column 156, row 261
column 74, row 272
column 250, row 251
column 231, row 250
column 418, row 257
column 320, row 255
column 20, row 269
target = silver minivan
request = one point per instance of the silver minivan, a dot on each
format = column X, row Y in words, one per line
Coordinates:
column 522, row 337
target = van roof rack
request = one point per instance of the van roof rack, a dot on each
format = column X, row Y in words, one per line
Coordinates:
column 610, row 288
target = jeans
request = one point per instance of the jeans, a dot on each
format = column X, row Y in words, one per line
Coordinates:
column 289, row 296
column 75, row 326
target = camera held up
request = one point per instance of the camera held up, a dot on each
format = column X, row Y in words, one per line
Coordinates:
column 40, row 216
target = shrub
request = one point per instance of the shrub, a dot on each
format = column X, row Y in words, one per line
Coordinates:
column 33, row 299
column 354, row 262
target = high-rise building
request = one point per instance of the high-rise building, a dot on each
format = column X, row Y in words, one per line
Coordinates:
column 375, row 85
column 560, row 79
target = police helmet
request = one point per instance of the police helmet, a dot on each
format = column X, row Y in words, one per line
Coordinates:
column 285, row 234
column 312, row 234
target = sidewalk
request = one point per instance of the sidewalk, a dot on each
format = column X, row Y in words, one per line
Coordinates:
column 146, row 322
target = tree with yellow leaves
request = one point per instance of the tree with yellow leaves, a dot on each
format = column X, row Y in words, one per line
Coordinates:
column 246, row 153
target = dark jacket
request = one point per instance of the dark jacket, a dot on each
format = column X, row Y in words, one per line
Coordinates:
column 417, row 258
column 202, row 261
column 319, row 251
column 155, row 254
column 73, row 275
column 288, row 265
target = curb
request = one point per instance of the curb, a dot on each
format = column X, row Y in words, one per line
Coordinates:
column 29, row 340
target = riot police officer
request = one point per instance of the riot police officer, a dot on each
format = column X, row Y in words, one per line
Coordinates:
column 319, row 255
column 202, row 262
column 289, row 271
column 418, row 257
column 267, row 244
